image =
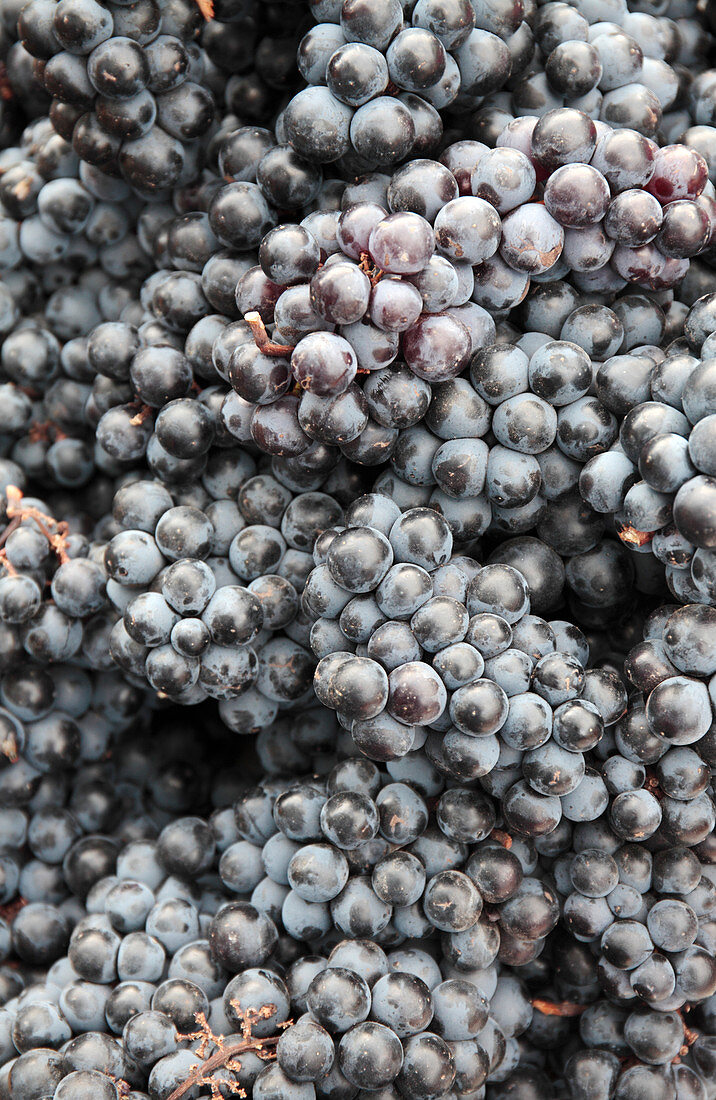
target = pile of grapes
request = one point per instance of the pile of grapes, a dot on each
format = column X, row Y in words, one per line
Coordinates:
column 357, row 549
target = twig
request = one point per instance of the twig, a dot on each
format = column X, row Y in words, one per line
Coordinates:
column 262, row 339
column 558, row 1008
column 226, row 1053
column 374, row 273
column 55, row 531
column 145, row 411
column 9, row 912
column 632, row 537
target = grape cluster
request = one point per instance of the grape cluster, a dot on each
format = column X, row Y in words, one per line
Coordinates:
column 399, row 279
column 209, row 597
column 419, row 648
column 467, row 946
column 356, row 395
column 126, row 85
column 377, row 76
column 659, row 485
column 39, row 554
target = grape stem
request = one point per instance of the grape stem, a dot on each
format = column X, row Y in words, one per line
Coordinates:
column 374, row 273
column 55, row 532
column 558, row 1008
column 6, row 91
column 206, row 7
column 9, row 748
column 502, row 838
column 262, row 339
column 9, row 912
column 143, row 414
column 225, row 1055
column 41, row 431
column 632, row 537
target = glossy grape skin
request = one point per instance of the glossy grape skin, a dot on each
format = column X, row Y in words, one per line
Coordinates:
column 416, row 59
column 679, row 173
column 331, row 139
column 693, row 511
column 436, row 348
column 685, row 230
column 423, row 187
column 467, row 229
column 323, row 363
column 355, row 73
column 340, row 293
column 532, row 240
column 370, row 1055
column 577, row 195
column 306, row 1051
column 484, row 62
column 563, row 136
column 428, row 1067
column 395, row 305
column 503, row 177
column 402, row 243
column 382, row 130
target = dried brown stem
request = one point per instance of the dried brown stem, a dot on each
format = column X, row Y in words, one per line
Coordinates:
column 558, row 1008
column 8, row 747
column 145, row 411
column 55, row 532
column 226, row 1054
column 502, row 838
column 12, row 526
column 632, row 537
column 374, row 273
column 9, row 912
column 6, row 91
column 262, row 339
column 7, row 564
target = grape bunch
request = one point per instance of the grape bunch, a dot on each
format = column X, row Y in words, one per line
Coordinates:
column 51, row 591
column 377, row 76
column 209, row 598
column 656, row 481
column 126, row 84
column 65, row 810
column 419, row 648
column 398, row 279
column 357, row 516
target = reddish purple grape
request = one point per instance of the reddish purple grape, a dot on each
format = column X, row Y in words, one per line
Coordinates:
column 577, row 195
column 324, row 364
column 679, row 173
column 395, row 305
column 505, row 178
column 563, row 136
column 260, row 379
column 402, row 243
column 355, row 226
column 334, row 420
column 634, row 217
column 625, row 158
column 256, row 292
column 685, row 231
column 276, row 430
column 437, row 347
column 340, row 292
column 531, row 239
column 638, row 265
column 468, row 230
column 462, row 157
